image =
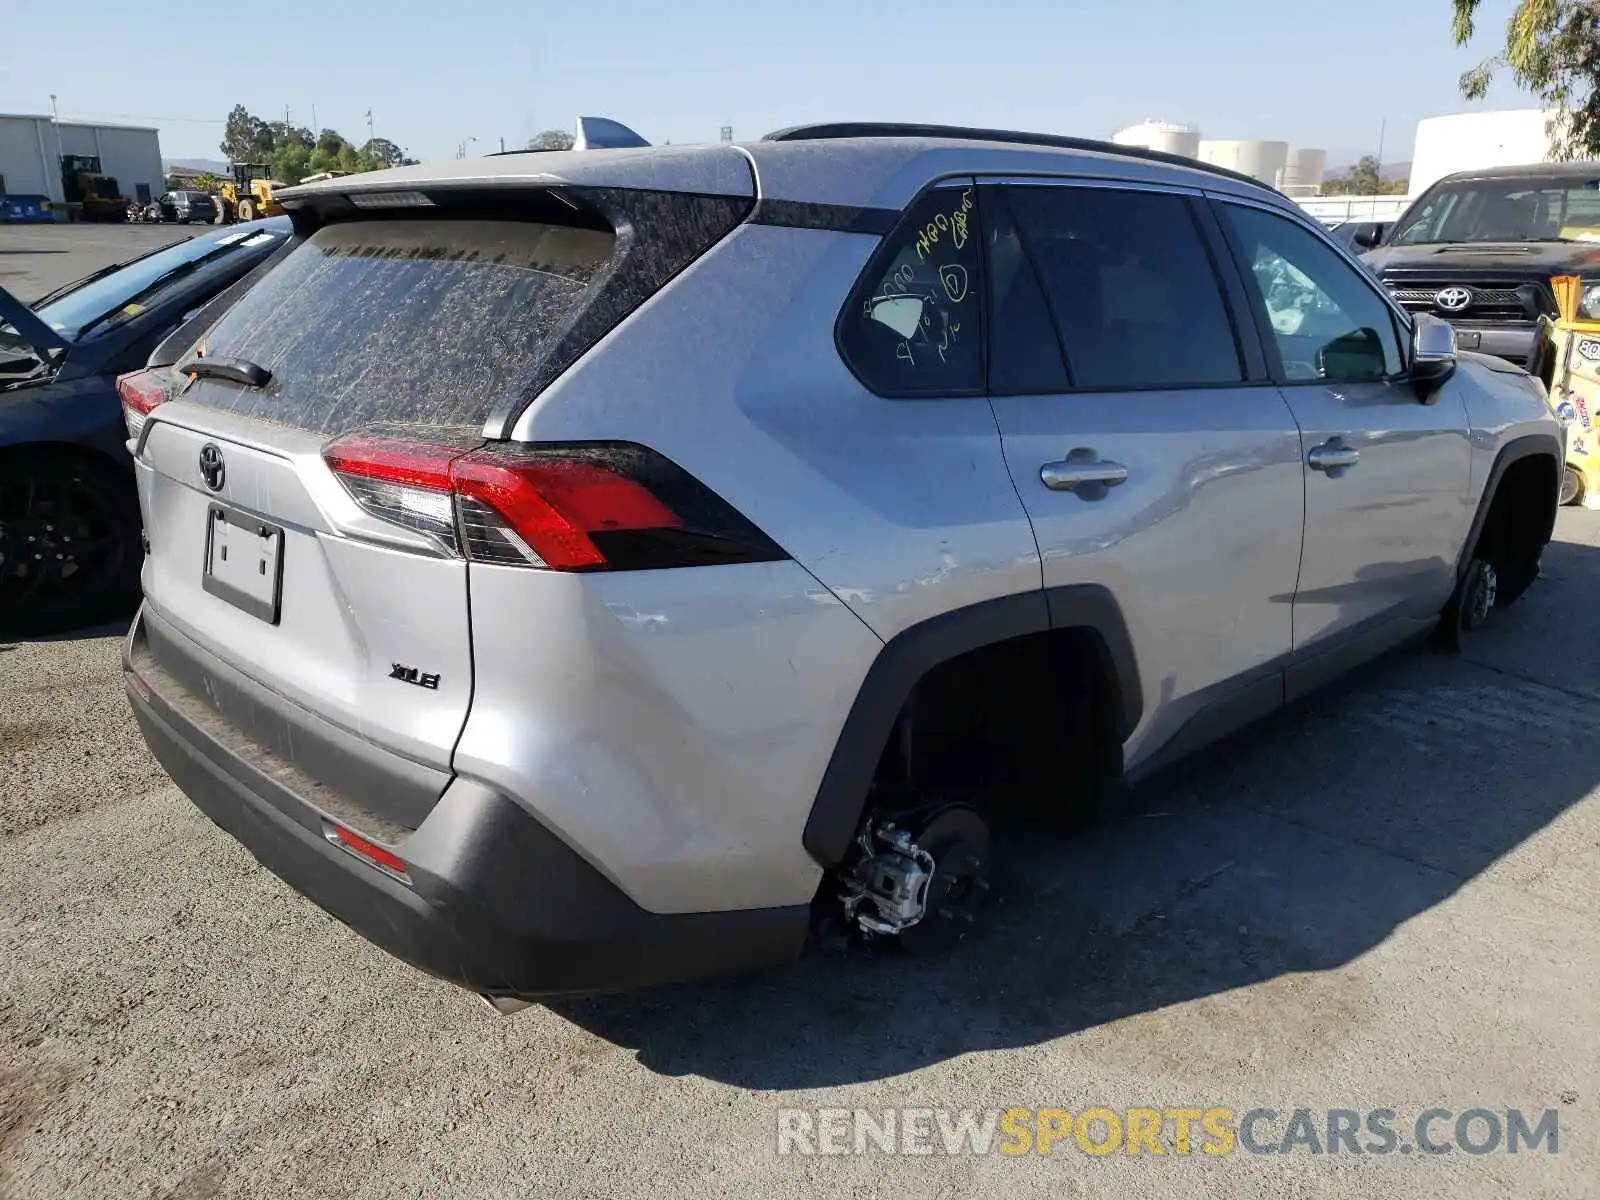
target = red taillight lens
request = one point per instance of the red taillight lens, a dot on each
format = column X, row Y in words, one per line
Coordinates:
column 600, row 506
column 385, row 860
column 406, row 483
column 548, row 508
column 140, row 392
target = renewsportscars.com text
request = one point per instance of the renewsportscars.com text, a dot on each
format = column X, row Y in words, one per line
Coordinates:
column 1165, row 1131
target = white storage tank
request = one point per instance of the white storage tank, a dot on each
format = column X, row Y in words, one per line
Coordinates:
column 1472, row 141
column 1302, row 174
column 1161, row 135
column 1259, row 160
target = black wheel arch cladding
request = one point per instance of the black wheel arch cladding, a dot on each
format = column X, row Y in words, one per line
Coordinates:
column 842, row 795
column 1532, row 445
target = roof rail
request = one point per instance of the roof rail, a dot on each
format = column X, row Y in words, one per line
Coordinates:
column 894, row 129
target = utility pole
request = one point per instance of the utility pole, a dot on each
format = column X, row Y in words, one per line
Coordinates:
column 315, row 131
column 369, row 124
column 502, row 145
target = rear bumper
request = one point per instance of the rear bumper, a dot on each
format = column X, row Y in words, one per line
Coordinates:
column 497, row 904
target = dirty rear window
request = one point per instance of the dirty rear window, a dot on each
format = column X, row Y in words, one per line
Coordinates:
column 415, row 321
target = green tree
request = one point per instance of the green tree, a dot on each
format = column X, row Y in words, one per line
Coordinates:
column 246, row 138
column 1363, row 179
column 291, row 163
column 551, row 139
column 1551, row 48
column 381, row 152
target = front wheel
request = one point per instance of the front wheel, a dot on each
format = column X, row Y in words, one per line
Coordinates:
column 247, row 210
column 1469, row 607
column 69, row 543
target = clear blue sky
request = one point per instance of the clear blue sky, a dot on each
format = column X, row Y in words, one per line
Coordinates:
column 434, row 73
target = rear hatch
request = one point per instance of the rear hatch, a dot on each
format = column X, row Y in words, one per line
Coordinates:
column 280, row 542
column 260, row 555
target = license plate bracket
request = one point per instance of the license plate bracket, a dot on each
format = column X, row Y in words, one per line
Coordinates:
column 244, row 562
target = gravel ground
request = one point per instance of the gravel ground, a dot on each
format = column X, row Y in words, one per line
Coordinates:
column 1383, row 899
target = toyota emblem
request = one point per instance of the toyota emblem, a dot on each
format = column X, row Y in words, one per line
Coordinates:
column 1453, row 299
column 212, row 469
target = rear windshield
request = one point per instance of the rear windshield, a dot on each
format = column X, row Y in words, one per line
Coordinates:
column 426, row 322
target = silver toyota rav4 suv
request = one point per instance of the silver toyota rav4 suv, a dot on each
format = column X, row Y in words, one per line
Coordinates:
column 583, row 570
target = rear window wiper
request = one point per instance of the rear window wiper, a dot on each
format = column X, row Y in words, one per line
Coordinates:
column 238, row 370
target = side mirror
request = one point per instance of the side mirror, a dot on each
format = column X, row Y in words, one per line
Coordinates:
column 1368, row 236
column 1433, row 355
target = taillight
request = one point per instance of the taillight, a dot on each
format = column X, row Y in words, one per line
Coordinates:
column 586, row 507
column 140, row 392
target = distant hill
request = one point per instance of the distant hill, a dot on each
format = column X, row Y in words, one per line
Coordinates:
column 214, row 166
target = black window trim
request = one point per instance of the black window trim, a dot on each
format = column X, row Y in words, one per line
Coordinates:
column 994, row 193
column 1254, row 366
column 1258, row 304
column 882, row 254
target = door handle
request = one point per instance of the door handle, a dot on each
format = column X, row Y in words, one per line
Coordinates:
column 1080, row 468
column 1333, row 455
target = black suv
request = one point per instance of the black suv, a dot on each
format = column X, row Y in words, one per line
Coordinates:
column 1479, row 249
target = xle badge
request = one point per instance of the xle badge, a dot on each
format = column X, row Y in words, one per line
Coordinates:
column 411, row 675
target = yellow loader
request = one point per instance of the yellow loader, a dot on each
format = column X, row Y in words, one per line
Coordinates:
column 248, row 194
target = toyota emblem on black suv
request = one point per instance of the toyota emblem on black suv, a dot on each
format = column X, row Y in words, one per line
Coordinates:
column 1453, row 299
column 212, row 469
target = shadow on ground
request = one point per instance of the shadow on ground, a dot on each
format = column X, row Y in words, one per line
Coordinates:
column 1296, row 847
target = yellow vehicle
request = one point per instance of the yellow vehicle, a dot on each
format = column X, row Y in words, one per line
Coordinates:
column 1566, row 355
column 248, row 194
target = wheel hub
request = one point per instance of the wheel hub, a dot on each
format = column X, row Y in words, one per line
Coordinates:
column 55, row 538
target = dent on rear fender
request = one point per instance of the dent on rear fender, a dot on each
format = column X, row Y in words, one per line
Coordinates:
column 671, row 726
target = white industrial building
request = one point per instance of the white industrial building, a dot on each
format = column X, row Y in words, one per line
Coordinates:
column 31, row 148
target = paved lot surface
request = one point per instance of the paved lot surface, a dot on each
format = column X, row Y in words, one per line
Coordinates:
column 1384, row 899
column 35, row 259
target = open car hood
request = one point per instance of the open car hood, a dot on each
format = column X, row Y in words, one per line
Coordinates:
column 29, row 327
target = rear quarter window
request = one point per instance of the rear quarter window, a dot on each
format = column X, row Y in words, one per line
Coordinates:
column 913, row 325
column 433, row 321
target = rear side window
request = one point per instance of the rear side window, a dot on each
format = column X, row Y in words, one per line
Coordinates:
column 435, row 321
column 1131, row 285
column 913, row 326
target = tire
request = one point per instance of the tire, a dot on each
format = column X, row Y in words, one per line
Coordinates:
column 1469, row 606
column 247, row 210
column 70, row 549
column 1572, row 489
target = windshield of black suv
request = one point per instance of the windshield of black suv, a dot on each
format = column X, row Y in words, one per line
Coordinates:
column 110, row 299
column 1505, row 210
